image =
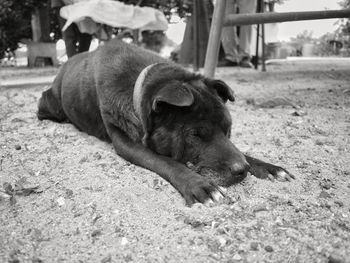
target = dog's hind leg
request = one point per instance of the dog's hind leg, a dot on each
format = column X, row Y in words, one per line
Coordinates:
column 50, row 103
column 50, row 107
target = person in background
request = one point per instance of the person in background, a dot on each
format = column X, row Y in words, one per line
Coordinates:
column 75, row 41
column 237, row 46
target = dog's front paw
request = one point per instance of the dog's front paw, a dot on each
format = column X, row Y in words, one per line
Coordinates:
column 270, row 171
column 200, row 189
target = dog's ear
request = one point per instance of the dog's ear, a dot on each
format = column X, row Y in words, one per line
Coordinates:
column 152, row 88
column 174, row 93
column 223, row 90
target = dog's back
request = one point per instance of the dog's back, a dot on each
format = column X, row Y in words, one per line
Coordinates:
column 107, row 74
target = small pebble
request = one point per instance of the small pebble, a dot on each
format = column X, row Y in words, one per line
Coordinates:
column 279, row 221
column 37, row 260
column 193, row 222
column 333, row 258
column 326, row 204
column 60, row 201
column 222, row 241
column 268, row 248
column 327, row 185
column 324, row 194
column 260, row 208
column 237, row 257
column 339, row 203
column 124, row 241
column 69, row 193
column 96, row 233
column 254, row 246
column 299, row 113
column 97, row 155
column 229, row 200
column 107, row 259
column 18, row 147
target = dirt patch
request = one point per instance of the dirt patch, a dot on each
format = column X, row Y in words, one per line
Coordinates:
column 93, row 206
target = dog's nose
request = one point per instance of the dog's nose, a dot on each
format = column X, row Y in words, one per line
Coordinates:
column 239, row 168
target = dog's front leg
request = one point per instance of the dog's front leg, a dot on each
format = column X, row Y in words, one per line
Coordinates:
column 192, row 186
column 265, row 170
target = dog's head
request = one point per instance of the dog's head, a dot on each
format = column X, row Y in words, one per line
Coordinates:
column 183, row 116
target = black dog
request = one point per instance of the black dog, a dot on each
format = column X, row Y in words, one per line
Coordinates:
column 157, row 115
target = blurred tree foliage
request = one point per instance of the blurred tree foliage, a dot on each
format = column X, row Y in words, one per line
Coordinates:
column 345, row 3
column 15, row 17
column 15, row 23
column 168, row 7
column 336, row 43
column 345, row 23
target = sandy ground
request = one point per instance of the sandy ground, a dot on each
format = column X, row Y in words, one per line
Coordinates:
column 93, row 206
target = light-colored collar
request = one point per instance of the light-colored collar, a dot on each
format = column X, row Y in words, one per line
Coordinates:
column 138, row 89
column 138, row 101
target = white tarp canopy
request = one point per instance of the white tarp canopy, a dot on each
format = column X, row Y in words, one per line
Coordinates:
column 112, row 13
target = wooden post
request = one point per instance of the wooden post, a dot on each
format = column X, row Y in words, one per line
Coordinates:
column 211, row 57
column 195, row 30
column 262, row 7
column 263, row 68
column 256, row 64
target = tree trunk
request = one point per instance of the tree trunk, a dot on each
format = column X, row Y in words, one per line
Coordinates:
column 44, row 13
column 36, row 28
column 41, row 24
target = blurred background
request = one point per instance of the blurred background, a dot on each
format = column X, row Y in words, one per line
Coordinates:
column 31, row 31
